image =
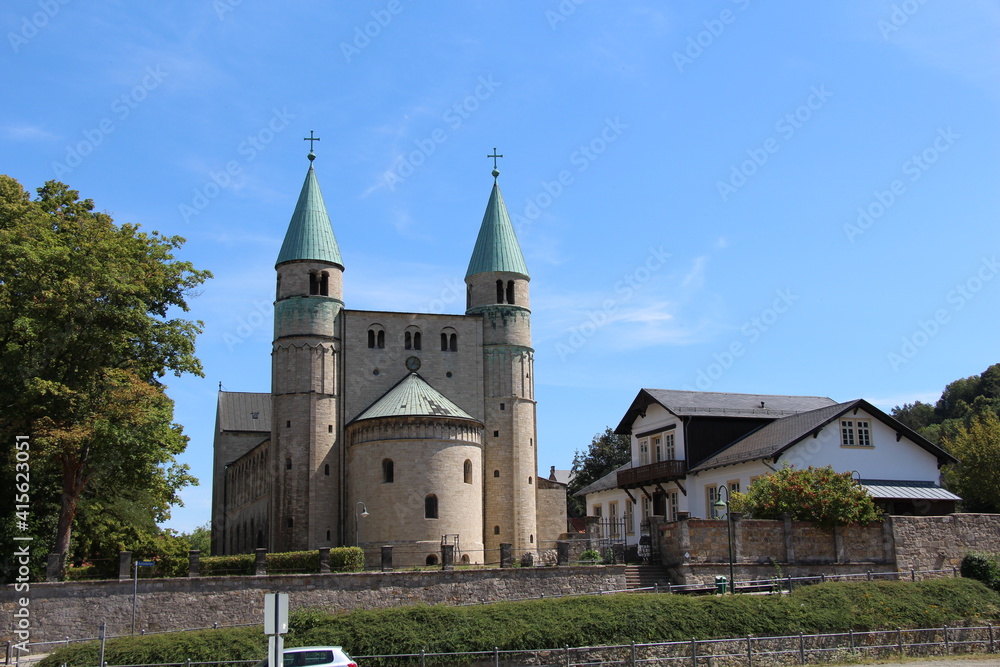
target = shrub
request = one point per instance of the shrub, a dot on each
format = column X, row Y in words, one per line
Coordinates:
column 591, row 556
column 225, row 566
column 819, row 495
column 982, row 566
column 347, row 559
column 293, row 562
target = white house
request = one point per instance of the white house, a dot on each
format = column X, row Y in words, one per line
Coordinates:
column 688, row 444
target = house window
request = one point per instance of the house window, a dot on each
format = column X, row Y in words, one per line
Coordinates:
column 598, row 510
column 643, row 452
column 671, row 506
column 855, row 433
column 629, row 517
column 613, row 516
column 657, row 448
column 467, row 471
column 669, row 449
column 734, row 486
column 388, row 472
column 647, row 508
column 431, row 507
column 711, row 496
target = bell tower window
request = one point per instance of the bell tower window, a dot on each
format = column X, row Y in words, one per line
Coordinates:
column 499, row 291
column 324, row 283
column 510, row 291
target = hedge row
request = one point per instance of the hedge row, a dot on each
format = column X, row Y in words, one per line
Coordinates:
column 577, row 621
column 984, row 567
column 343, row 559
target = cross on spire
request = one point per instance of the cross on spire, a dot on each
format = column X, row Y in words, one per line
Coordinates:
column 311, row 139
column 494, row 156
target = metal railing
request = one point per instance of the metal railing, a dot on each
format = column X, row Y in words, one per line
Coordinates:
column 659, row 471
column 749, row 650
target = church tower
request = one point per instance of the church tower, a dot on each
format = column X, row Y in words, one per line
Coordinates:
column 497, row 286
column 307, row 489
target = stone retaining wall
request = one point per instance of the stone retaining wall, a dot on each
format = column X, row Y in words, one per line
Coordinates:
column 76, row 609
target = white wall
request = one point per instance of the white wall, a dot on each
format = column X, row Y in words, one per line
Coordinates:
column 657, row 417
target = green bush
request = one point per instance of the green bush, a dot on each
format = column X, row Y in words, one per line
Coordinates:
column 982, row 566
column 225, row 566
column 347, row 559
column 574, row 621
column 591, row 556
column 292, row 562
column 83, row 573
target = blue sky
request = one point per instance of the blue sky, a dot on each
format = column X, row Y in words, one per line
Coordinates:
column 790, row 198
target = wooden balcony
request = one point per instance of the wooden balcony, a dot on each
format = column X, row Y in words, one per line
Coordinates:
column 659, row 472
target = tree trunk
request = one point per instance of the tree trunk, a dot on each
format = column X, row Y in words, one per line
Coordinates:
column 73, row 482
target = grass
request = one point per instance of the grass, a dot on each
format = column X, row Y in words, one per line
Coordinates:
column 576, row 621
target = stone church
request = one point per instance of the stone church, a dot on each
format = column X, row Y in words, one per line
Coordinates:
column 387, row 428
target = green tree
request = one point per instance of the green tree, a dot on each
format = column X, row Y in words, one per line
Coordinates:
column 976, row 445
column 86, row 331
column 200, row 538
column 821, row 495
column 607, row 451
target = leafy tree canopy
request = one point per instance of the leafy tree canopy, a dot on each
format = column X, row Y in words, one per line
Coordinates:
column 87, row 328
column 607, row 452
column 976, row 477
column 820, row 495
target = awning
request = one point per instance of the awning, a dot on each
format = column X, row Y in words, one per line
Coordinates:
column 904, row 490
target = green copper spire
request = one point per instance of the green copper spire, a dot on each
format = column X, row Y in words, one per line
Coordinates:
column 310, row 235
column 496, row 248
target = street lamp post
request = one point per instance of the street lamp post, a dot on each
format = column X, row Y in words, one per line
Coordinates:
column 364, row 512
column 719, row 505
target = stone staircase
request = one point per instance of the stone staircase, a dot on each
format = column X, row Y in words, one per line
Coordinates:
column 646, row 576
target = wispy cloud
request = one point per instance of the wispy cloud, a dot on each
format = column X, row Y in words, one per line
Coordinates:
column 27, row 133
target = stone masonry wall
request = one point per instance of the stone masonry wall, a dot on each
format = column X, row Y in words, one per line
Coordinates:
column 940, row 542
column 76, row 609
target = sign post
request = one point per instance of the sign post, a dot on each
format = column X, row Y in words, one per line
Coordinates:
column 135, row 584
column 275, row 625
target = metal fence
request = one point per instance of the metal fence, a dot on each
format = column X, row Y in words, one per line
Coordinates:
column 777, row 650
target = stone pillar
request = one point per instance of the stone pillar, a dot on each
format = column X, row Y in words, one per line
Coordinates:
column 447, row 556
column 53, row 567
column 125, row 565
column 888, row 543
column 838, row 545
column 506, row 555
column 737, row 536
column 260, row 562
column 324, row 560
column 562, row 553
column 789, row 546
column 683, row 539
column 194, row 558
column 387, row 559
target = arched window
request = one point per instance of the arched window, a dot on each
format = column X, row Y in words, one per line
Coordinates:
column 288, row 464
column 465, row 559
column 531, row 538
column 324, row 283
column 468, row 297
column 291, row 522
column 416, row 340
column 499, row 291
column 387, row 471
column 371, row 338
column 453, row 343
column 467, row 472
column 431, row 559
column 328, row 535
column 431, row 507
column 496, row 473
column 380, row 340
column 407, row 341
column 313, row 283
column 444, row 342
column 529, row 481
column 496, row 530
column 376, row 337
column 510, row 291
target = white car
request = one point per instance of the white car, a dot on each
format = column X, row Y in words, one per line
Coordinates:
column 315, row 656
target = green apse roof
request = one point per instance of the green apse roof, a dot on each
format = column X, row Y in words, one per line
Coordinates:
column 496, row 246
column 310, row 235
column 413, row 397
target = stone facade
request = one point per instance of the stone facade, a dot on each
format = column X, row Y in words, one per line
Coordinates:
column 695, row 550
column 465, row 477
column 76, row 609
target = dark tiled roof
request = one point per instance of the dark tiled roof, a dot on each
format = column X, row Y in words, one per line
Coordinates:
column 609, row 481
column 237, row 410
column 720, row 404
column 773, row 438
